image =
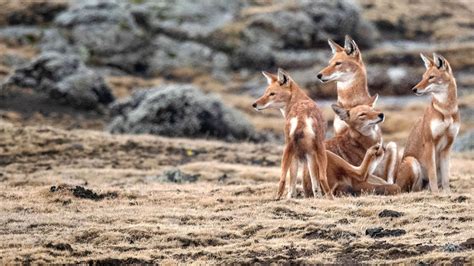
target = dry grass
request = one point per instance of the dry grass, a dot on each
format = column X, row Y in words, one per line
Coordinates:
column 218, row 219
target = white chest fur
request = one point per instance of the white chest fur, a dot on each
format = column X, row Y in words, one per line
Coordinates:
column 441, row 129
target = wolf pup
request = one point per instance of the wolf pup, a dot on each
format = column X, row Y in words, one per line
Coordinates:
column 426, row 155
column 305, row 129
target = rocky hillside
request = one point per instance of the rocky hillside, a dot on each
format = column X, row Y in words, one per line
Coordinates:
column 85, row 54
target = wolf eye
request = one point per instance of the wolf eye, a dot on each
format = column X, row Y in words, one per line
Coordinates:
column 431, row 77
column 338, row 63
column 363, row 114
column 272, row 93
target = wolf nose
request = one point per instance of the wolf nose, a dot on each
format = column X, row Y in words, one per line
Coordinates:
column 254, row 105
column 320, row 76
column 415, row 90
column 381, row 115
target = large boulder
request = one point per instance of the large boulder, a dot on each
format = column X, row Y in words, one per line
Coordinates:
column 105, row 31
column 301, row 25
column 178, row 110
column 186, row 19
column 64, row 78
column 20, row 35
column 250, row 34
column 175, row 55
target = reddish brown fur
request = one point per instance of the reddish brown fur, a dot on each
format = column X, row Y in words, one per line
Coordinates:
column 344, row 178
column 429, row 143
column 303, row 142
column 348, row 61
column 353, row 143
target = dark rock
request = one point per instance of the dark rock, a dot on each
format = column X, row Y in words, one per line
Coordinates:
column 65, row 79
column 84, row 193
column 468, row 244
column 222, row 178
column 343, row 221
column 461, row 198
column 81, row 192
column 380, row 232
column 177, row 176
column 60, row 246
column 179, row 111
column 451, row 248
column 390, row 213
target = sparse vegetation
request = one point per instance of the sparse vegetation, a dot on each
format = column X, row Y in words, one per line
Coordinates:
column 72, row 193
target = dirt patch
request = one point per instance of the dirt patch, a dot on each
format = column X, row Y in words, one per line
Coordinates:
column 380, row 232
column 329, row 234
column 282, row 212
column 84, row 193
column 461, row 198
column 60, row 246
column 468, row 244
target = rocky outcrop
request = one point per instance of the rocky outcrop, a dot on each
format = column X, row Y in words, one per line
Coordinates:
column 64, row 78
column 30, row 12
column 160, row 37
column 104, row 33
column 179, row 110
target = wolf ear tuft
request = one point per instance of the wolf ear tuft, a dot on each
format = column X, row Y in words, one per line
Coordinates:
column 373, row 100
column 340, row 111
column 428, row 62
column 440, row 62
column 334, row 46
column 270, row 77
column 283, row 77
column 350, row 46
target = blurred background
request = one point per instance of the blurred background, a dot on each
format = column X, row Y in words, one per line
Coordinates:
column 192, row 68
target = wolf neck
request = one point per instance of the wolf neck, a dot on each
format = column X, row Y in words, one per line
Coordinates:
column 365, row 140
column 297, row 95
column 446, row 102
column 354, row 91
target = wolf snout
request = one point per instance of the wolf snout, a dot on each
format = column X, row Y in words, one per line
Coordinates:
column 320, row 76
column 254, row 105
column 381, row 116
column 415, row 90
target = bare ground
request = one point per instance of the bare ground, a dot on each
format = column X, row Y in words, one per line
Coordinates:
column 226, row 216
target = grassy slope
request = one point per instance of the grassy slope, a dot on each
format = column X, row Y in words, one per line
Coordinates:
column 231, row 220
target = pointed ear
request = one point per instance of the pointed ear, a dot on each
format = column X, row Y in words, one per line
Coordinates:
column 428, row 62
column 334, row 46
column 374, row 100
column 351, row 47
column 283, row 77
column 270, row 77
column 341, row 112
column 441, row 62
